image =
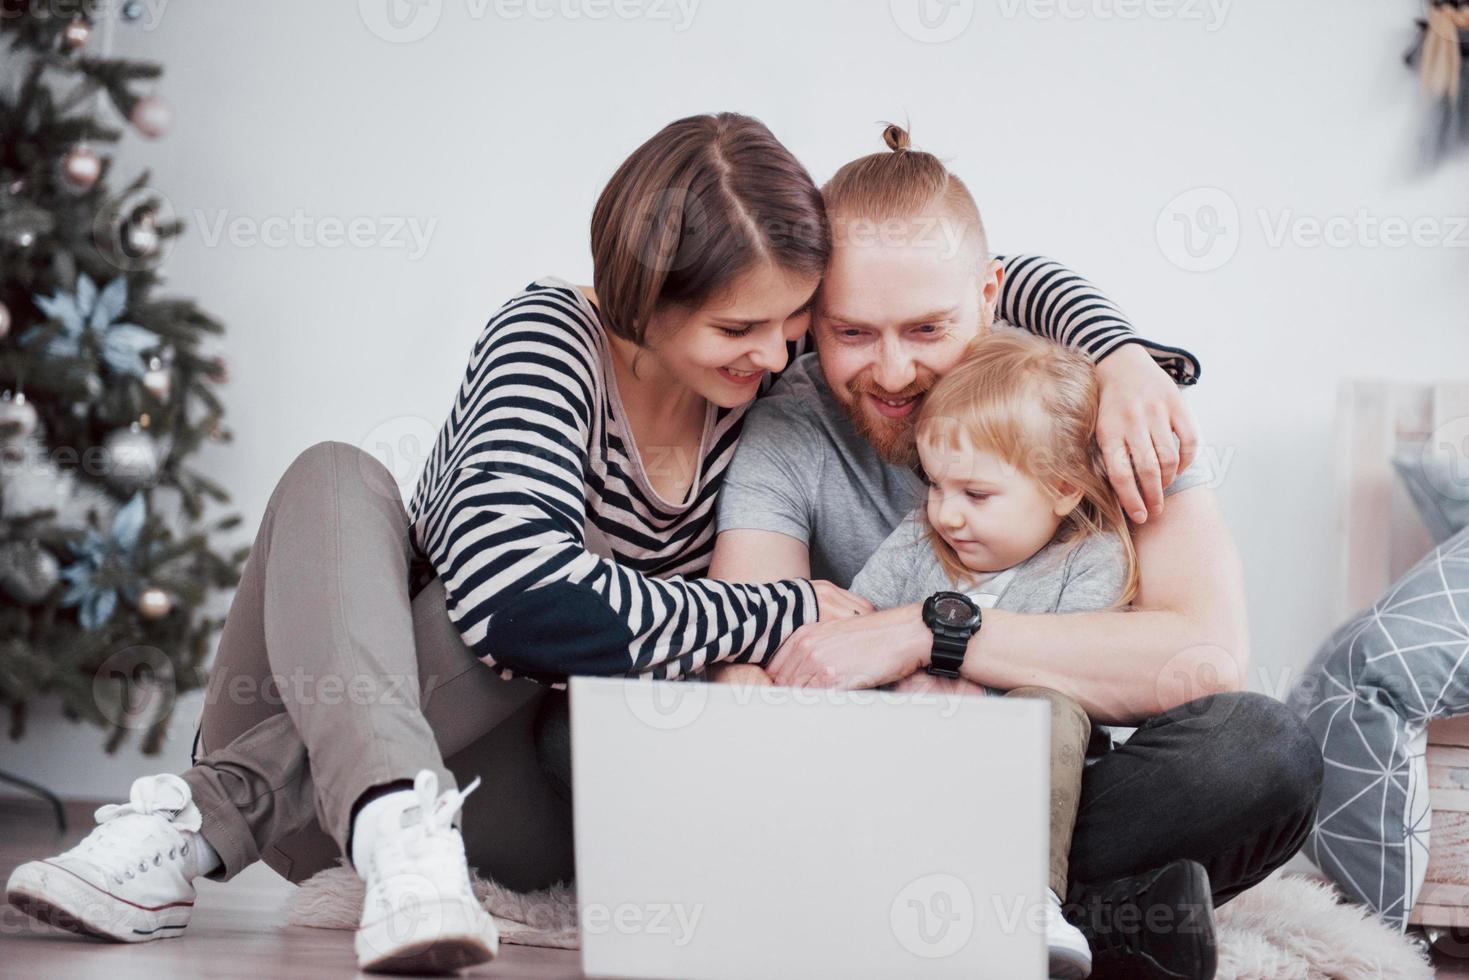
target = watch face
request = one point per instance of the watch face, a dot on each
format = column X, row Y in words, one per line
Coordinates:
column 953, row 611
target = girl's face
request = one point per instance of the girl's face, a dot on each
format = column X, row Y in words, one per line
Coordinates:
column 991, row 513
column 723, row 349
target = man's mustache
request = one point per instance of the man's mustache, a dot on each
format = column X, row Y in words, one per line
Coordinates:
column 859, row 388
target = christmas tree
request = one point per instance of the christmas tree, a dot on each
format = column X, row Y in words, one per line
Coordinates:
column 106, row 391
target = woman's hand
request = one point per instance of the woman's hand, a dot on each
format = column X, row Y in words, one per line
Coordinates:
column 1140, row 416
column 751, row 674
column 857, row 652
column 834, row 603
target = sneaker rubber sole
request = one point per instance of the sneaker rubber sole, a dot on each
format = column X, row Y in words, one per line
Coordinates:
column 51, row 894
column 460, row 935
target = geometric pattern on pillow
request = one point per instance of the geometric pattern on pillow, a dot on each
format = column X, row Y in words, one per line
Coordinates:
column 1368, row 698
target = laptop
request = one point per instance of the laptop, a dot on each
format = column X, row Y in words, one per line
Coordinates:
column 729, row 831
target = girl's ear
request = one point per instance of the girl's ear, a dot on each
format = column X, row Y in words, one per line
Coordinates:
column 1068, row 497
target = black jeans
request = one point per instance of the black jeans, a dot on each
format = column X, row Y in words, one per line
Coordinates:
column 1230, row 780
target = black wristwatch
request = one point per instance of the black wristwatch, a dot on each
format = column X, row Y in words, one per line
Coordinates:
column 953, row 618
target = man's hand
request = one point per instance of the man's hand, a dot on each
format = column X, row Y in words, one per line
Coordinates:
column 1141, row 412
column 859, row 652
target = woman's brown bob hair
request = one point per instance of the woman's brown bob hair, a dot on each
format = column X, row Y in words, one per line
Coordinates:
column 692, row 210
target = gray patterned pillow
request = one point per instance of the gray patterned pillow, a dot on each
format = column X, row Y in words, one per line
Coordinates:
column 1439, row 490
column 1367, row 698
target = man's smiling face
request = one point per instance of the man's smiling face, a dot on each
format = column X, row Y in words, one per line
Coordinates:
column 892, row 318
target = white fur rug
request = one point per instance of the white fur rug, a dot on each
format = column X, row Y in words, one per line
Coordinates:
column 1288, row 927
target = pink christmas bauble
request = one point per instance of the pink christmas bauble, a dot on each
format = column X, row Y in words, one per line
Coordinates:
column 80, row 168
column 151, row 116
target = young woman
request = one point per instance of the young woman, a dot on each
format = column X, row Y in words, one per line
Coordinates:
column 567, row 513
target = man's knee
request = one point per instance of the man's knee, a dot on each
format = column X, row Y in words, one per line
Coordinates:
column 1260, row 749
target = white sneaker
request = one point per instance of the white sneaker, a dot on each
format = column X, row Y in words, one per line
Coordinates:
column 130, row 879
column 420, row 914
column 1070, row 955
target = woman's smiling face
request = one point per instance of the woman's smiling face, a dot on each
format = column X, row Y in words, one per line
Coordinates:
column 722, row 349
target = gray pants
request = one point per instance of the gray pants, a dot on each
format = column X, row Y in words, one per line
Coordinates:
column 333, row 677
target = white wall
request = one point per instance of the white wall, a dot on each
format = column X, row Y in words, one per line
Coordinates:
column 1075, row 132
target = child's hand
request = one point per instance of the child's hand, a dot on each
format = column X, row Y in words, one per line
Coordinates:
column 922, row 682
column 751, row 674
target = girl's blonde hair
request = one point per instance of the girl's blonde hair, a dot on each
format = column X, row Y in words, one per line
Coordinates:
column 1034, row 404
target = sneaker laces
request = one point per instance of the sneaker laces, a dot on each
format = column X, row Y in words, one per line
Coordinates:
column 158, row 810
column 433, row 835
column 439, row 814
column 1102, row 917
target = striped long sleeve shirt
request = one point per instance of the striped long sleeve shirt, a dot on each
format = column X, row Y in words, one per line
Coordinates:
column 556, row 555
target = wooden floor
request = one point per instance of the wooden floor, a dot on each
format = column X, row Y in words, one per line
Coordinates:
column 237, row 930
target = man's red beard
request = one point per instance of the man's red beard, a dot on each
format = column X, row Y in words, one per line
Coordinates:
column 892, row 438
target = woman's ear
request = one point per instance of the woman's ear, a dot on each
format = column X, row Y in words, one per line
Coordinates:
column 1068, row 497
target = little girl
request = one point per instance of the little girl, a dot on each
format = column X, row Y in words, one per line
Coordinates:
column 1019, row 516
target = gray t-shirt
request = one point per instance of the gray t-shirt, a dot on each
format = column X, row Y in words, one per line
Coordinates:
column 1064, row 576
column 801, row 469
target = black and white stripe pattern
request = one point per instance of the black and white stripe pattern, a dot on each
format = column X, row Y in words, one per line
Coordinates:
column 1062, row 306
column 533, row 449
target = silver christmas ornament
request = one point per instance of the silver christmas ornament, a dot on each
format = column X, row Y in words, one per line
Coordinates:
column 154, row 603
column 158, row 382
column 33, row 482
column 17, row 419
column 28, row 572
column 132, row 460
column 4, row 320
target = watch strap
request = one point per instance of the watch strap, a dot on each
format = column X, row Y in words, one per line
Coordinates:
column 948, row 654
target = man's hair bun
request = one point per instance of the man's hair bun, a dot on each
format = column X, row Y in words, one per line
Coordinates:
column 896, row 137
